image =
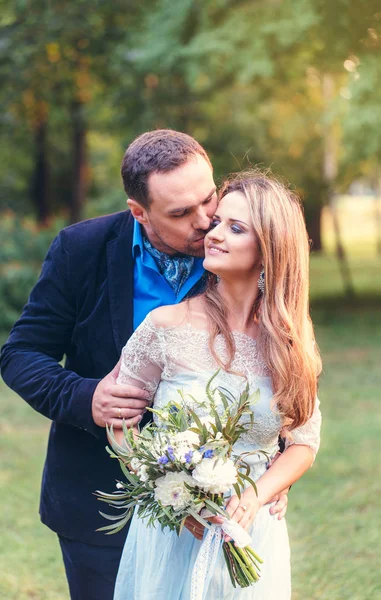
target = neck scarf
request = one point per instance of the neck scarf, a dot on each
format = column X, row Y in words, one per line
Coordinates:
column 175, row 269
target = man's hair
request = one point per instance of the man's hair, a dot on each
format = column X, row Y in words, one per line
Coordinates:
column 157, row 151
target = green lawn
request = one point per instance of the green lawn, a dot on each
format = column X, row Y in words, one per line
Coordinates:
column 333, row 519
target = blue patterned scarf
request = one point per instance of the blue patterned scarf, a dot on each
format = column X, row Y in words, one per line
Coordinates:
column 175, row 269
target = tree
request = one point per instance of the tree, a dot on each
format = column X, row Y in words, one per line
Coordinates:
column 54, row 58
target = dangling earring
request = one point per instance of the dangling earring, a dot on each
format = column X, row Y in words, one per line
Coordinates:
column 261, row 281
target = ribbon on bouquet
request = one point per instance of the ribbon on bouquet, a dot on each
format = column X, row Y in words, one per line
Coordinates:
column 207, row 555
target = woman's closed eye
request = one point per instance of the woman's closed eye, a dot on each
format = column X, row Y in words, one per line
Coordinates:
column 236, row 228
column 214, row 223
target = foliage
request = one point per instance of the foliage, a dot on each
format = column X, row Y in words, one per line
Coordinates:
column 362, row 120
column 251, row 85
column 55, row 60
column 22, row 251
column 245, row 78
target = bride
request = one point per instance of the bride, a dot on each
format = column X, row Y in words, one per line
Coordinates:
column 253, row 323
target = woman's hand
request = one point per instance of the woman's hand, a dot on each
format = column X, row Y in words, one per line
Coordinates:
column 243, row 510
column 194, row 527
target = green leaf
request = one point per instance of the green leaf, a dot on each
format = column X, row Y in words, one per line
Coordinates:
column 198, row 518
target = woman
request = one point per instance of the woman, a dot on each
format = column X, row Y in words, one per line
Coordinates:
column 252, row 322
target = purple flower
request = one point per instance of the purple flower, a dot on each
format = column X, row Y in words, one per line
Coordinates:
column 188, row 456
column 163, row 460
column 208, row 454
column 170, row 453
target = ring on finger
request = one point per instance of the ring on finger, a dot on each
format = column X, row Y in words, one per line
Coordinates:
column 243, row 506
column 120, row 416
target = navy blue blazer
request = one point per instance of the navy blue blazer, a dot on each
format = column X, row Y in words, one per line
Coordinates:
column 82, row 309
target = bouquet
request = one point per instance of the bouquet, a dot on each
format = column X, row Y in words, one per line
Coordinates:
column 182, row 465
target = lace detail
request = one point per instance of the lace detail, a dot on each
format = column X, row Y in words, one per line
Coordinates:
column 309, row 433
column 265, row 430
column 187, row 347
column 164, row 360
column 143, row 358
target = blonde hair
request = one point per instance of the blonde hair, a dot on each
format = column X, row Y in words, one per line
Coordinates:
column 286, row 337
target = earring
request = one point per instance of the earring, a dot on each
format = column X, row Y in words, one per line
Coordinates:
column 261, row 281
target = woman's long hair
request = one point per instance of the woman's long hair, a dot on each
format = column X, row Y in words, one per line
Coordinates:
column 286, row 337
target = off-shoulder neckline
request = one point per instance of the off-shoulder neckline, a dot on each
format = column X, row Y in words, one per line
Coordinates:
column 205, row 332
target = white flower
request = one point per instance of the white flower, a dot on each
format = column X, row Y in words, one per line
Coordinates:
column 187, row 437
column 215, row 475
column 135, row 464
column 142, row 473
column 218, row 435
column 196, row 458
column 119, row 486
column 183, row 443
column 180, row 451
column 171, row 491
column 159, row 446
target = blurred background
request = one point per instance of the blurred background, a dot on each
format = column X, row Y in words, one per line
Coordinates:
column 291, row 84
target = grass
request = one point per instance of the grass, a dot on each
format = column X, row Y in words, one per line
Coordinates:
column 333, row 515
column 333, row 519
column 30, row 562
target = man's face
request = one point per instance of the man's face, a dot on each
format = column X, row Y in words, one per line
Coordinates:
column 183, row 204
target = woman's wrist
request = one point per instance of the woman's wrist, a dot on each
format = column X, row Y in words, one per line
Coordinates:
column 249, row 495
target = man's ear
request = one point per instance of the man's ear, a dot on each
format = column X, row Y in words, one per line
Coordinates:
column 138, row 211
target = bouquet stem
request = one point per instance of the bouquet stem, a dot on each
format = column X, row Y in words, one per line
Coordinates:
column 242, row 564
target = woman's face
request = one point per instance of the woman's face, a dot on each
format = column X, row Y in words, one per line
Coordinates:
column 231, row 246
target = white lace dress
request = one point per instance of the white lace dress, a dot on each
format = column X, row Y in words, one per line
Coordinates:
column 158, row 565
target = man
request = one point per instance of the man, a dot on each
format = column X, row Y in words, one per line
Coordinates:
column 99, row 280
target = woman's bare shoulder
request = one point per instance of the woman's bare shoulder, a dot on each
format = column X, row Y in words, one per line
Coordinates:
column 168, row 316
column 175, row 315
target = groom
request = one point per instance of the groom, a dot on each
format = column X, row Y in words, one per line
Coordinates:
column 99, row 280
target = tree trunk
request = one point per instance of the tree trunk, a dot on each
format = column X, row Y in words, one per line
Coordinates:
column 315, row 194
column 80, row 169
column 377, row 212
column 313, row 222
column 330, row 174
column 40, row 186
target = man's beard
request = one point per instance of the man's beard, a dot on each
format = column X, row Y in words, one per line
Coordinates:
column 189, row 248
column 197, row 251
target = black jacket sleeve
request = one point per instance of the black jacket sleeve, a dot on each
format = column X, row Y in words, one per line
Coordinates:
column 39, row 340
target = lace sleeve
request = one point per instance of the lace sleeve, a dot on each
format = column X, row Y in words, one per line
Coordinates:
column 143, row 357
column 309, row 433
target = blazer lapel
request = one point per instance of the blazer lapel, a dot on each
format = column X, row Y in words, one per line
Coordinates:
column 120, row 271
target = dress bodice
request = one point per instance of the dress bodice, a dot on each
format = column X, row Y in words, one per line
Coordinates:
column 166, row 360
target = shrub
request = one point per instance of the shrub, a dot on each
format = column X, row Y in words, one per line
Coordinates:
column 22, row 250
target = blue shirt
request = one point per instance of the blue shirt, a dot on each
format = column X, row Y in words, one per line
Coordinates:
column 150, row 287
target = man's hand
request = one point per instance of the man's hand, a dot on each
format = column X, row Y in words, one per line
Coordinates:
column 114, row 403
column 280, row 508
column 281, row 499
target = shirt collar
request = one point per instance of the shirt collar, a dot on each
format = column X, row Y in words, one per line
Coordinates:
column 137, row 240
column 138, row 246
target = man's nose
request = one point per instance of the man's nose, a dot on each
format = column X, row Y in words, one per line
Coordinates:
column 202, row 220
